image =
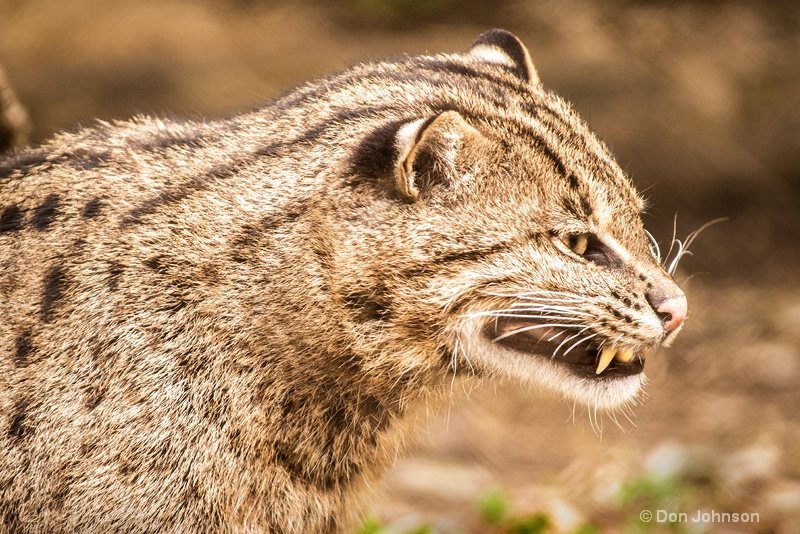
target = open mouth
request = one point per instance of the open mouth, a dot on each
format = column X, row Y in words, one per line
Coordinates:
column 589, row 359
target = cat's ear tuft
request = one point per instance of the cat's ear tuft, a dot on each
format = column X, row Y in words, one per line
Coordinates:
column 429, row 151
column 501, row 47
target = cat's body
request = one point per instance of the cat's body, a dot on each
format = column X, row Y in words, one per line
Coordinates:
column 222, row 327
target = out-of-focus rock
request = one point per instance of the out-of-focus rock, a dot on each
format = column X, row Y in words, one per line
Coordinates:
column 677, row 460
column 14, row 123
column 753, row 464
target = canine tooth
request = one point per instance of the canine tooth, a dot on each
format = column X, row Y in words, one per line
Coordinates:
column 624, row 355
column 606, row 355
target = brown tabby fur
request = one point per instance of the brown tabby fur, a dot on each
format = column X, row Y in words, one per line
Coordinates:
column 225, row 326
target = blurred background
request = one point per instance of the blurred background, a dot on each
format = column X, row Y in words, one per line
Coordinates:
column 700, row 102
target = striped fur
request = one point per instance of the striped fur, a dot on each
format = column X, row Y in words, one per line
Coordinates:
column 228, row 326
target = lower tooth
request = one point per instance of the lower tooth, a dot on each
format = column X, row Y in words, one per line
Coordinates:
column 624, row 356
column 606, row 355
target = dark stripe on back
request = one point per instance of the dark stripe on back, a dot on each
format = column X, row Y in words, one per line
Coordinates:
column 375, row 154
column 244, row 245
column 165, row 141
column 177, row 194
column 334, row 122
column 23, row 348
column 11, row 218
column 53, row 290
column 85, row 160
column 200, row 183
column 23, row 162
column 407, row 68
column 114, row 272
column 17, row 427
column 45, row 212
column 369, row 305
column 92, row 208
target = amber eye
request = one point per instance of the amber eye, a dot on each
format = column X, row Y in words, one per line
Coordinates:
column 577, row 243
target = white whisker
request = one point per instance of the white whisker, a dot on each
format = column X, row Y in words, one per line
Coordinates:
column 680, row 253
column 613, row 416
column 674, row 235
column 581, row 331
column 627, row 413
column 541, row 307
column 655, row 250
column 581, row 340
column 561, row 298
column 692, row 236
column 454, row 363
column 571, row 297
column 557, row 334
column 683, row 246
column 533, row 327
column 529, row 316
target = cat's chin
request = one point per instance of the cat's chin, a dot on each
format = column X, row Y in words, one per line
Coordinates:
column 574, row 376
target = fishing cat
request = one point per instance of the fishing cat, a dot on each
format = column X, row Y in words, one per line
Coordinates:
column 225, row 326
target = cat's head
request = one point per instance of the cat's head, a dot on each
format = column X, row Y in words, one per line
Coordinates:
column 521, row 246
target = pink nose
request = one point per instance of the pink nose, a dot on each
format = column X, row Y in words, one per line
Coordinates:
column 672, row 312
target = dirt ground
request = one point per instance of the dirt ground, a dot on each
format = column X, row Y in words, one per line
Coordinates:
column 701, row 104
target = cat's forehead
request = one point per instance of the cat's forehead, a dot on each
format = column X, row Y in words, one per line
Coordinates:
column 589, row 187
column 613, row 203
column 551, row 143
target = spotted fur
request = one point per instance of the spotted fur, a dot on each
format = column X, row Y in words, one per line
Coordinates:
column 227, row 326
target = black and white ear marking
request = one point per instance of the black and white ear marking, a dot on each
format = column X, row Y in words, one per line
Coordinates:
column 504, row 48
column 429, row 147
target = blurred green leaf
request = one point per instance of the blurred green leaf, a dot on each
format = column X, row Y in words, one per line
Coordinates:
column 651, row 491
column 530, row 525
column 370, row 525
column 493, row 507
column 590, row 528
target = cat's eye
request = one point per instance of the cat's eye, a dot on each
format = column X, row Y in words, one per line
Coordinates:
column 591, row 248
column 577, row 243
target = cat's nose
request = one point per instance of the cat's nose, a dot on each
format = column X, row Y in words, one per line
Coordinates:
column 672, row 311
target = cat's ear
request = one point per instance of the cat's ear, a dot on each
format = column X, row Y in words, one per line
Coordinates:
column 433, row 150
column 503, row 48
